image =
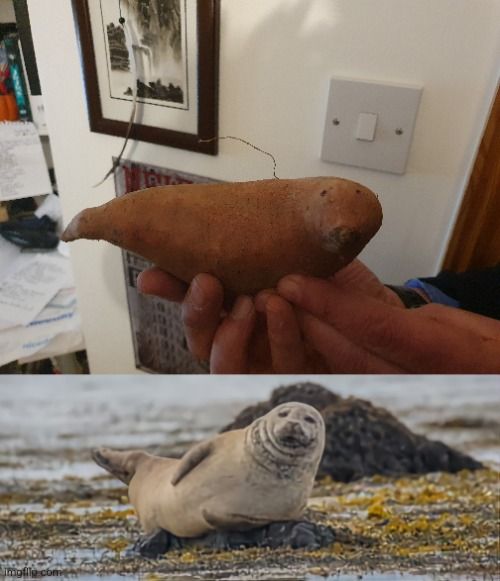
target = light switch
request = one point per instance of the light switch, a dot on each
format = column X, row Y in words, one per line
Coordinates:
column 370, row 124
column 367, row 122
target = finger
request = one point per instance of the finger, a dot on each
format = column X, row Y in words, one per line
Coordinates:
column 230, row 349
column 368, row 323
column 157, row 282
column 285, row 340
column 356, row 277
column 201, row 312
column 408, row 338
column 354, row 274
column 261, row 299
column 342, row 355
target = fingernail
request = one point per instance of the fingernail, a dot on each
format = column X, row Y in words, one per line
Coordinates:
column 273, row 304
column 261, row 300
column 290, row 287
column 196, row 295
column 242, row 308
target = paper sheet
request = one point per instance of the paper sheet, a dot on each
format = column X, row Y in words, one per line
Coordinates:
column 23, row 169
column 26, row 290
column 37, row 300
column 9, row 253
column 61, row 344
column 51, row 207
column 55, row 331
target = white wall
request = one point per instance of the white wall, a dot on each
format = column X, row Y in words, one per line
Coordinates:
column 277, row 57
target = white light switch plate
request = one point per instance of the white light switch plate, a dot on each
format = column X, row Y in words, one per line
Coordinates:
column 396, row 108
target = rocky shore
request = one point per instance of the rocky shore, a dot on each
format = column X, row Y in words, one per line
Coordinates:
column 438, row 523
column 58, row 512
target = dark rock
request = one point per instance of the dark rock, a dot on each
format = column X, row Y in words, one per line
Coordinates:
column 362, row 439
column 293, row 534
column 310, row 393
column 247, row 416
column 153, row 546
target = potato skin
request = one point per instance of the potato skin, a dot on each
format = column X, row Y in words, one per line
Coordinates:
column 247, row 234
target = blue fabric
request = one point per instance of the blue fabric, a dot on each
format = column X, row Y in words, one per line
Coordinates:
column 435, row 295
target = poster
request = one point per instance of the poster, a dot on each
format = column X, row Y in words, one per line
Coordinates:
column 158, row 337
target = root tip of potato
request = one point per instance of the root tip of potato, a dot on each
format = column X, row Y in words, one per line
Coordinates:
column 69, row 233
column 81, row 226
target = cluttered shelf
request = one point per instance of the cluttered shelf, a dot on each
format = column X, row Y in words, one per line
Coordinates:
column 38, row 309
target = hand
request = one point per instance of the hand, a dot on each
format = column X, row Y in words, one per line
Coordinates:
column 349, row 323
column 201, row 305
column 212, row 334
column 242, row 340
column 260, row 336
column 357, row 332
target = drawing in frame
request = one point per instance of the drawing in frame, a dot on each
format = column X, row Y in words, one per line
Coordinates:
column 175, row 44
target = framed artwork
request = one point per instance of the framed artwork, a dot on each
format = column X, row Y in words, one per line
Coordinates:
column 171, row 48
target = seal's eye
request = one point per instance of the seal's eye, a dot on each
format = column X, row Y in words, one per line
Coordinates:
column 309, row 419
column 283, row 414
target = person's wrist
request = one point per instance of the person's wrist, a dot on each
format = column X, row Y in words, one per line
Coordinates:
column 410, row 298
column 431, row 292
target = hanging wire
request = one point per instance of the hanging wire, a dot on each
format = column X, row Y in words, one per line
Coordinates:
column 133, row 67
column 246, row 143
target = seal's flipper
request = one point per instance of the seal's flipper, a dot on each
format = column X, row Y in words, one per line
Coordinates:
column 191, row 459
column 122, row 465
column 233, row 522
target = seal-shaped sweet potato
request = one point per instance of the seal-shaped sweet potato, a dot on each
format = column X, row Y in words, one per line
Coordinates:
column 247, row 234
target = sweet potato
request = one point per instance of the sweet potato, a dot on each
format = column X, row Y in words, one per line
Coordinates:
column 247, row 234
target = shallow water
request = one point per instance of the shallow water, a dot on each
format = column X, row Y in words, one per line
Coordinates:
column 48, row 425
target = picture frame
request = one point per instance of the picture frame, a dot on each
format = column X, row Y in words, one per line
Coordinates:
column 176, row 57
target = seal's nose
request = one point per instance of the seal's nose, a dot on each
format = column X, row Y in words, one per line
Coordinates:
column 296, row 428
column 293, row 432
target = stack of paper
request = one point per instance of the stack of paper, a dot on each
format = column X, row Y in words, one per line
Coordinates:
column 38, row 310
column 23, row 170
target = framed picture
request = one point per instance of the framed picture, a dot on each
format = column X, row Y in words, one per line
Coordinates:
column 171, row 47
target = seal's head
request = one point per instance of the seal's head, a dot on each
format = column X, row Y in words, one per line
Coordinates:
column 296, row 426
column 291, row 436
